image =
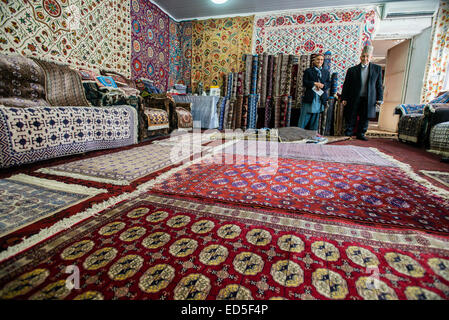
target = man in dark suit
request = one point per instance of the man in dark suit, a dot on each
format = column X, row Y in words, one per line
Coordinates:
column 315, row 79
column 362, row 90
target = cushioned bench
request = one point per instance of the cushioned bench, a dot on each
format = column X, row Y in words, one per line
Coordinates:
column 44, row 113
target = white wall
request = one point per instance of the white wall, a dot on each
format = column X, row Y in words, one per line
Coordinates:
column 420, row 50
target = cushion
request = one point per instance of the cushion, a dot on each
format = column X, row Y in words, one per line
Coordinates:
column 107, row 81
column 184, row 118
column 411, row 127
column 441, row 98
column 439, row 139
column 22, row 83
column 63, row 85
column 403, row 109
column 157, row 119
column 88, row 75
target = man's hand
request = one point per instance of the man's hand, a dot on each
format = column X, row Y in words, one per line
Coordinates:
column 344, row 102
column 319, row 85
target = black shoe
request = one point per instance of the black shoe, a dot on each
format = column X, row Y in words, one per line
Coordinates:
column 362, row 138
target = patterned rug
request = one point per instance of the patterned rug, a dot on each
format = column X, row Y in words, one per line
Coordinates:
column 442, row 177
column 295, row 134
column 306, row 151
column 124, row 167
column 370, row 195
column 153, row 248
column 26, row 199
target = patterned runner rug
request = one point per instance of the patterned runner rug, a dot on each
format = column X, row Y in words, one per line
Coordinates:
column 26, row 199
column 122, row 168
column 371, row 195
column 343, row 154
column 154, row 247
column 439, row 176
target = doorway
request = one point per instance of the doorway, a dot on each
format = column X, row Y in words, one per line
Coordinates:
column 392, row 55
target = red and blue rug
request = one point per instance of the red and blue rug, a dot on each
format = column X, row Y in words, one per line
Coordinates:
column 370, row 195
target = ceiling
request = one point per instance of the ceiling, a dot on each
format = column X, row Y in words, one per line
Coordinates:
column 201, row 9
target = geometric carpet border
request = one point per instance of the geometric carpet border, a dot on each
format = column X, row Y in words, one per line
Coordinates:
column 404, row 239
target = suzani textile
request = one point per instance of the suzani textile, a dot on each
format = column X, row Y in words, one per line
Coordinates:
column 150, row 43
column 342, row 32
column 175, row 62
column 186, row 52
column 155, row 247
column 217, row 48
column 83, row 33
column 438, row 63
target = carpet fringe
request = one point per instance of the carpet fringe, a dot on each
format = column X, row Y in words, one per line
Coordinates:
column 414, row 176
column 56, row 185
column 83, row 177
column 429, row 174
column 95, row 210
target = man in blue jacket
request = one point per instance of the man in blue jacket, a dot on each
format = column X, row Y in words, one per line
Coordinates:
column 362, row 90
column 316, row 80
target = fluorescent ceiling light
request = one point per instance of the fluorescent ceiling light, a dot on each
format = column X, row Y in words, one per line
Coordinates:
column 219, row 1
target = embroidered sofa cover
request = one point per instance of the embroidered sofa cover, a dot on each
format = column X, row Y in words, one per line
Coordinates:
column 32, row 134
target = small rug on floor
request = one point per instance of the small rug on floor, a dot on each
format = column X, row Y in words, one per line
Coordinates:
column 299, row 135
column 25, row 200
column 154, row 247
column 122, row 168
column 288, row 134
column 440, row 176
column 306, row 151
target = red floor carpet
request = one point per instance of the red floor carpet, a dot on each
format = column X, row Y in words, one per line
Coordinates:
column 315, row 230
column 160, row 248
column 417, row 158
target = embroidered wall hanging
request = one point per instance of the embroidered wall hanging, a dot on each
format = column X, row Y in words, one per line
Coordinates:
column 150, row 43
column 83, row 33
column 342, row 32
column 218, row 46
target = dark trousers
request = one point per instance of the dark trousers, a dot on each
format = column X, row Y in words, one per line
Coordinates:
column 359, row 110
